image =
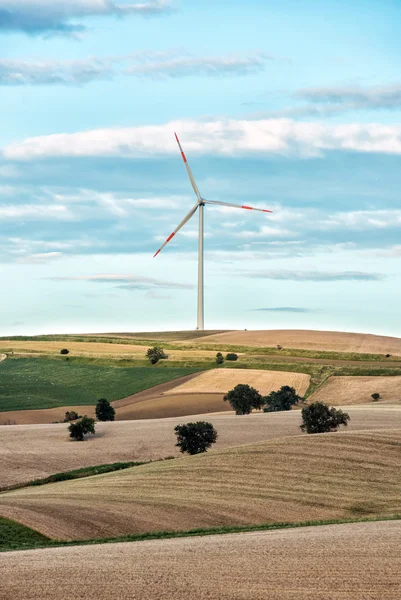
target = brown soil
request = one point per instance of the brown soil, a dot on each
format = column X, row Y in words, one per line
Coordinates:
column 310, row 340
column 32, row 451
column 299, row 478
column 358, row 390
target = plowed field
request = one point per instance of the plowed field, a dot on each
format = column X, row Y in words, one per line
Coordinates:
column 358, row 390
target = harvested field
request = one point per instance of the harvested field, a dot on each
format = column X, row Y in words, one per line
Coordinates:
column 174, row 405
column 94, row 349
column 358, row 390
column 299, row 478
column 222, row 380
column 32, row 451
column 310, row 340
column 364, row 561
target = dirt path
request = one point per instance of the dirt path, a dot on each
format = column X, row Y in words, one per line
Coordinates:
column 3, row 357
column 335, row 562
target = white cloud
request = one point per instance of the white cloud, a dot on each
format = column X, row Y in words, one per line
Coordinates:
column 128, row 282
column 226, row 138
column 40, row 258
column 364, row 219
column 35, row 211
column 265, row 232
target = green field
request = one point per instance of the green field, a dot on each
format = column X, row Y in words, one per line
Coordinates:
column 31, row 383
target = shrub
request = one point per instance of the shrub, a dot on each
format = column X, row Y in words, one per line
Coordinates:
column 64, row 351
column 284, row 399
column 231, row 356
column 279, row 347
column 375, row 396
column 195, row 438
column 80, row 428
column 155, row 354
column 219, row 358
column 104, row 410
column 71, row 415
column 388, row 355
column 243, row 398
column 319, row 418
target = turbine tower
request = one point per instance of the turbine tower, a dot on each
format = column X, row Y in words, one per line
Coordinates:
column 200, row 204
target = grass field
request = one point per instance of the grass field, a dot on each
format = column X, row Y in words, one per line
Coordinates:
column 35, row 384
column 358, row 390
column 300, row 478
column 363, row 558
column 32, row 451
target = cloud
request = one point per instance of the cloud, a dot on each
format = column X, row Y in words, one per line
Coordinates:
column 192, row 66
column 315, row 275
column 364, row 219
column 42, row 258
column 221, row 137
column 39, row 17
column 142, row 64
column 287, row 309
column 355, row 97
column 35, row 211
column 129, row 282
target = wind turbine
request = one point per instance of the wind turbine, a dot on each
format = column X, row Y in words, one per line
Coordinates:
column 200, row 204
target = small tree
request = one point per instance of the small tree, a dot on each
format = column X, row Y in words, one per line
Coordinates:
column 104, row 410
column 232, row 356
column 64, row 351
column 195, row 438
column 375, row 396
column 284, row 399
column 71, row 415
column 219, row 358
column 155, row 354
column 319, row 418
column 243, row 398
column 80, row 428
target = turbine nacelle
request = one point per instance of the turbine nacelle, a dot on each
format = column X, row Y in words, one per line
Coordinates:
column 201, row 203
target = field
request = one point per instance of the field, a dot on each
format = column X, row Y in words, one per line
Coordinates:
column 222, row 380
column 32, row 451
column 364, row 562
column 46, row 383
column 310, row 340
column 299, row 478
column 358, row 390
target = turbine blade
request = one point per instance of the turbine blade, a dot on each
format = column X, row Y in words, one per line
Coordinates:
column 185, row 220
column 236, row 205
column 191, row 177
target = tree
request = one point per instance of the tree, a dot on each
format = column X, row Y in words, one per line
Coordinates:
column 232, row 356
column 243, row 398
column 104, row 410
column 195, row 438
column 219, row 358
column 80, row 428
column 319, row 418
column 64, row 351
column 71, row 415
column 155, row 354
column 375, row 396
column 284, row 399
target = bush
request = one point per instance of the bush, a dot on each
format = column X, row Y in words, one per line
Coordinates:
column 104, row 410
column 319, row 418
column 243, row 398
column 375, row 396
column 155, row 354
column 231, row 356
column 219, row 358
column 64, row 351
column 80, row 428
column 195, row 438
column 71, row 415
column 284, row 399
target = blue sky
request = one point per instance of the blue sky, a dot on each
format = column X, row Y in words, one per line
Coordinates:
column 289, row 106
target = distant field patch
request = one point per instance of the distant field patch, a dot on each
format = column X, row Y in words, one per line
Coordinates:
column 222, row 380
column 30, row 383
column 358, row 390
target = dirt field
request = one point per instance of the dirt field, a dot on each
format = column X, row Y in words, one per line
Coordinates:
column 32, row 451
column 222, row 380
column 338, row 475
column 93, row 349
column 358, row 390
column 364, row 564
column 310, row 340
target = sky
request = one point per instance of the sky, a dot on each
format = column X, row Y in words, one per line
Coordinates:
column 289, row 106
